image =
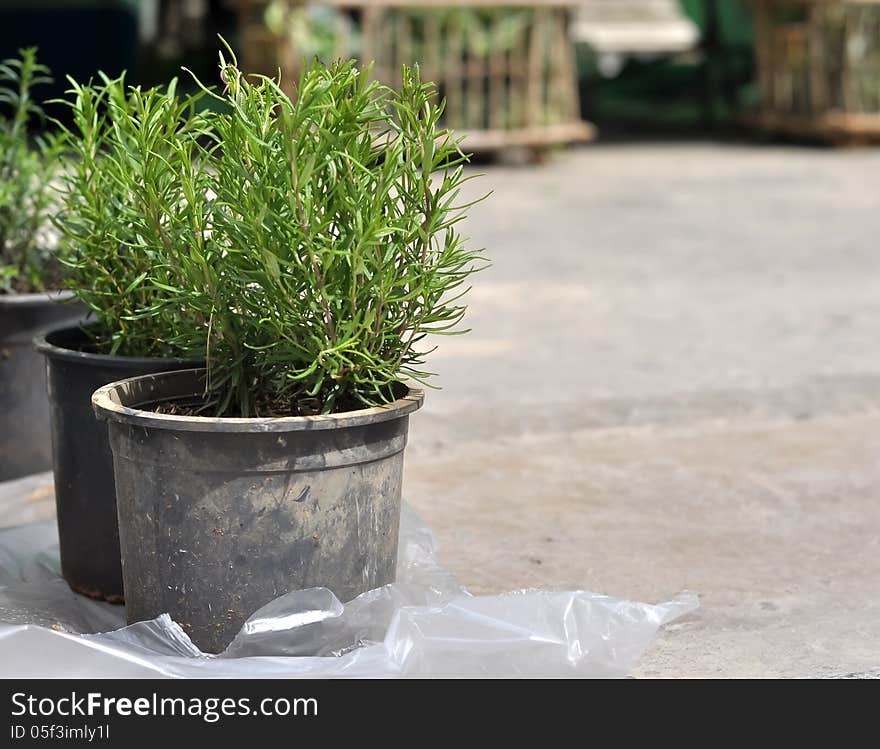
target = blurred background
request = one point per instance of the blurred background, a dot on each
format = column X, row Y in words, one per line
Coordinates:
column 538, row 73
column 673, row 376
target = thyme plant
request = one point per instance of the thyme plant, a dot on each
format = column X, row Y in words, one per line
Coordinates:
column 125, row 209
column 333, row 247
column 26, row 172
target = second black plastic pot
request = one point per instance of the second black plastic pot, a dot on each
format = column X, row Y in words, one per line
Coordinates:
column 85, row 491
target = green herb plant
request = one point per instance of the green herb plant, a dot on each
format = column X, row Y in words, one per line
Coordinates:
column 305, row 248
column 27, row 168
column 125, row 210
column 332, row 247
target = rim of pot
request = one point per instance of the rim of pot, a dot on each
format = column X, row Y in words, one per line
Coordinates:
column 48, row 344
column 108, row 403
column 40, row 297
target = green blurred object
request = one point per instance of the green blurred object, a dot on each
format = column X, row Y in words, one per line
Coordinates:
column 74, row 37
column 699, row 89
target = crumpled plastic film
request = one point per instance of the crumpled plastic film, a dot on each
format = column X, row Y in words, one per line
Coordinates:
column 423, row 625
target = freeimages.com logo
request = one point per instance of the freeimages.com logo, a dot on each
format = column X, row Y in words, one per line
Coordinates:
column 209, row 709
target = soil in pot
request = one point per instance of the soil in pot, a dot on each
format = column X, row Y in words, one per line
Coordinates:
column 219, row 516
column 25, row 441
column 85, row 491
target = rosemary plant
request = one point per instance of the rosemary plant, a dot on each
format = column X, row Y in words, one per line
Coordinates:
column 305, row 248
column 27, row 199
column 125, row 209
column 331, row 248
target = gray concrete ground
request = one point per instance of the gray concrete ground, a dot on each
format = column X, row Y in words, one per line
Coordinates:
column 673, row 381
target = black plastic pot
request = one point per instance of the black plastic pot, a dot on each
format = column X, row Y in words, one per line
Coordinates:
column 85, row 493
column 217, row 517
column 25, row 444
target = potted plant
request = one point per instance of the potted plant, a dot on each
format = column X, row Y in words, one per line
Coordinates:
column 29, row 275
column 325, row 249
column 120, row 136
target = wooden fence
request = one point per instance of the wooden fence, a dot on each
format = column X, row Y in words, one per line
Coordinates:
column 818, row 67
column 506, row 68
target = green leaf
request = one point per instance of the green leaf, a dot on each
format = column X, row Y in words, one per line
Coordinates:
column 135, row 283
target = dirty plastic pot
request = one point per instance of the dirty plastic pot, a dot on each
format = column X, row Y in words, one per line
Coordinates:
column 219, row 516
column 85, row 493
column 25, row 443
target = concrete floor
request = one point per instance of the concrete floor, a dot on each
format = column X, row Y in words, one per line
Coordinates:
column 673, row 382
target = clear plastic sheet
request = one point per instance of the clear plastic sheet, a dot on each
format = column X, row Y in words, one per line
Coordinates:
column 424, row 625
